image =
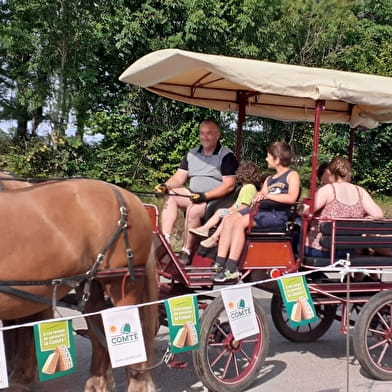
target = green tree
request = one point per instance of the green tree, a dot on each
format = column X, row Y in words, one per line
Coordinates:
column 63, row 58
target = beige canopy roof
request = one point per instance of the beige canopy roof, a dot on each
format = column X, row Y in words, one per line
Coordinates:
column 272, row 90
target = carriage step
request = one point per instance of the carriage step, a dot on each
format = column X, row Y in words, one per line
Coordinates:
column 201, row 280
column 207, row 281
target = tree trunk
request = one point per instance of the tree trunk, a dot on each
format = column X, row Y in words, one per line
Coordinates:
column 21, row 130
column 36, row 120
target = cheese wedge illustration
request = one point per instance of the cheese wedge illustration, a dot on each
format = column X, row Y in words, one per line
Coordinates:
column 51, row 363
column 65, row 358
column 296, row 312
column 191, row 337
column 306, row 310
column 180, row 339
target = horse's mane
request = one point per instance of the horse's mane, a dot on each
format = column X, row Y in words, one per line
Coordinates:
column 37, row 182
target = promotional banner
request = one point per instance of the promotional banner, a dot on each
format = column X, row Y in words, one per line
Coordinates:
column 3, row 364
column 184, row 325
column 124, row 336
column 241, row 312
column 297, row 300
column 54, row 349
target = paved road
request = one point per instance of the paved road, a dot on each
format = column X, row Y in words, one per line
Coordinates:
column 319, row 366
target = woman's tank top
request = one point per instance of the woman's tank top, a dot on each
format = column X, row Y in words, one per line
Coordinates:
column 334, row 209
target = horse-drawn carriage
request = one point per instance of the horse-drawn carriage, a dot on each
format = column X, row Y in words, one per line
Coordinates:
column 289, row 93
column 277, row 91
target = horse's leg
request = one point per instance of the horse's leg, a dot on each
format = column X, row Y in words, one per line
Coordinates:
column 140, row 291
column 139, row 378
column 101, row 377
column 20, row 351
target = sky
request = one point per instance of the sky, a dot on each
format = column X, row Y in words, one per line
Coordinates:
column 45, row 129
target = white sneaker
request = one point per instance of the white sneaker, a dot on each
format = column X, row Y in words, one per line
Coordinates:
column 223, row 276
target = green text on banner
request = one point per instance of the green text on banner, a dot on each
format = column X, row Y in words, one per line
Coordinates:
column 184, row 325
column 55, row 349
column 297, row 300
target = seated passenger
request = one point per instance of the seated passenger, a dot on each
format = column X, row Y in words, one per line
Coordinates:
column 323, row 173
column 210, row 169
column 248, row 175
column 339, row 199
column 279, row 192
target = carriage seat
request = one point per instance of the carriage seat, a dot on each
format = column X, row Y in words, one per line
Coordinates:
column 357, row 236
column 289, row 232
column 268, row 231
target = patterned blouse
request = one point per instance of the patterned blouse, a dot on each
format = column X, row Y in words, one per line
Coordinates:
column 334, row 209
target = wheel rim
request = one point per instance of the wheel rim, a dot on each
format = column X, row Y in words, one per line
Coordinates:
column 311, row 328
column 303, row 333
column 379, row 339
column 230, row 360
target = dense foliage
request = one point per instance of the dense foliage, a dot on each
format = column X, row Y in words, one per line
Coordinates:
column 60, row 62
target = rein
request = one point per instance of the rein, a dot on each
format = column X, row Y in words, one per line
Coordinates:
column 146, row 193
column 122, row 225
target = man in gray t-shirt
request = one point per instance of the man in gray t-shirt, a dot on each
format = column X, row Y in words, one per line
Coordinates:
column 210, row 169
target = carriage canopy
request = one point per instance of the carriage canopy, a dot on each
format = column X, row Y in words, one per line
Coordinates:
column 272, row 90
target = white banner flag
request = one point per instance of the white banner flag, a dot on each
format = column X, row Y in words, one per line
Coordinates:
column 3, row 364
column 241, row 312
column 124, row 336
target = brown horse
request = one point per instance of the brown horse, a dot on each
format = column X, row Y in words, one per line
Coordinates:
column 58, row 229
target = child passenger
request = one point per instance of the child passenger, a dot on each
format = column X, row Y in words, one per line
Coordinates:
column 279, row 192
column 247, row 174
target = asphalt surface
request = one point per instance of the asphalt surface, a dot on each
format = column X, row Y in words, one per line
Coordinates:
column 320, row 366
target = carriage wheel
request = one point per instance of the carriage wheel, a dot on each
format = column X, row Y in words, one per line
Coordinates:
column 221, row 362
column 373, row 336
column 304, row 333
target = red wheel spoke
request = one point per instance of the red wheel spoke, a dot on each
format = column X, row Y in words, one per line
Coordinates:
column 225, row 361
column 218, row 327
column 237, row 372
column 382, row 354
column 229, row 359
column 245, row 354
column 376, row 332
column 252, row 340
column 383, row 320
column 378, row 344
column 219, row 356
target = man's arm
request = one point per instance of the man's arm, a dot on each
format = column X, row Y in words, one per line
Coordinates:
column 178, row 179
column 227, row 186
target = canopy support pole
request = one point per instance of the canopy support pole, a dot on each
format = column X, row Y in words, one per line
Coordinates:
column 242, row 100
column 351, row 146
column 320, row 105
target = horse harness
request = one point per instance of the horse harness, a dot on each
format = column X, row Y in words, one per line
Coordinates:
column 87, row 277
